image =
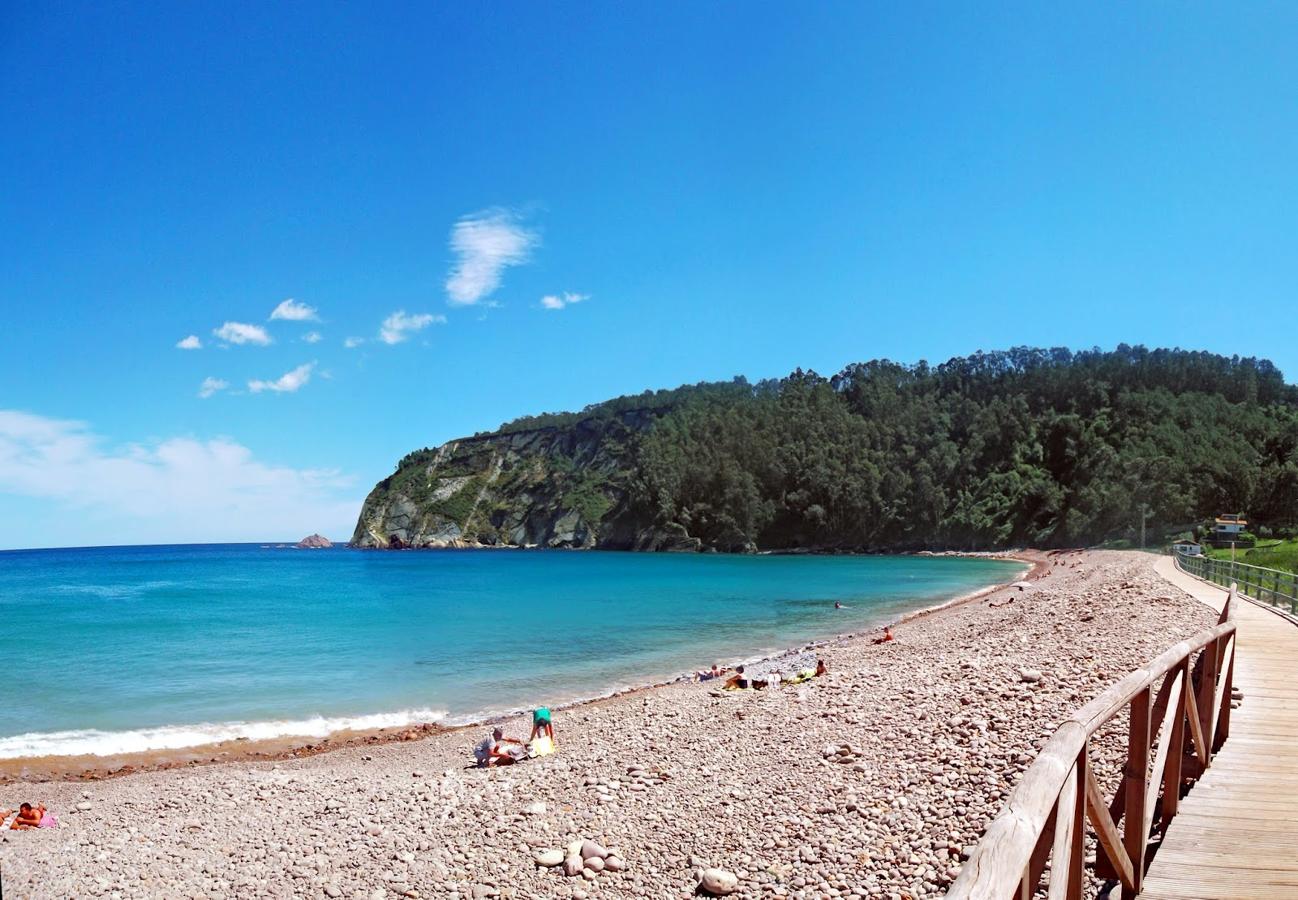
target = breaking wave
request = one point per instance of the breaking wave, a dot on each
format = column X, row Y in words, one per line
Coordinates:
column 92, row 742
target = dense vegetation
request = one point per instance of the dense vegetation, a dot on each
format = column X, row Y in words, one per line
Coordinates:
column 1026, row 446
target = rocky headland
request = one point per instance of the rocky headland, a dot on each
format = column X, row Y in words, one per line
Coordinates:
column 552, row 486
column 871, row 781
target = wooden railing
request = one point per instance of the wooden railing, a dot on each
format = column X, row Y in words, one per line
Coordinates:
column 1269, row 586
column 1179, row 706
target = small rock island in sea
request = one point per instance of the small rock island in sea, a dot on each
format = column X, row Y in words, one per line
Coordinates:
column 314, row 542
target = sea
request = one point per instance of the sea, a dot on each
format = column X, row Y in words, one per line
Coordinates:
column 119, row 649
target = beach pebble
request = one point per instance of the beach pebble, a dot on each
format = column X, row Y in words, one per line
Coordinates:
column 592, row 850
column 85, row 807
column 534, row 809
column 332, row 890
column 572, row 865
column 718, row 882
column 595, row 864
column 614, row 863
column 1031, row 676
column 549, row 858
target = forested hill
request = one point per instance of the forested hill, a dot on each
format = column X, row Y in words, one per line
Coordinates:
column 1021, row 447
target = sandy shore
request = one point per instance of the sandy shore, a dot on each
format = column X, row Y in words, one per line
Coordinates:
column 938, row 726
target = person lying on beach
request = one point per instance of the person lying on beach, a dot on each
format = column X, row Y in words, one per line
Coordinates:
column 886, row 638
column 708, row 674
column 30, row 817
column 498, row 750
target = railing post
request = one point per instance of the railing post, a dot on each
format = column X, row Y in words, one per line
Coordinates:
column 1208, row 693
column 1077, row 852
column 1227, row 685
column 1176, row 749
column 1135, row 779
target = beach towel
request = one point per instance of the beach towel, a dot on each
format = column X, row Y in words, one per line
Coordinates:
column 48, row 821
column 543, row 746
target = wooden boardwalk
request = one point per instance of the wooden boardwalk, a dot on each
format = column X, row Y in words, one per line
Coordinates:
column 1235, row 836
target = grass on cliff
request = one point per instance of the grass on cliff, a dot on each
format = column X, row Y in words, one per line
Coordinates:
column 588, row 500
column 459, row 506
column 1281, row 555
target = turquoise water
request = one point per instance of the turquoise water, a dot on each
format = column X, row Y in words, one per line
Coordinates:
column 148, row 647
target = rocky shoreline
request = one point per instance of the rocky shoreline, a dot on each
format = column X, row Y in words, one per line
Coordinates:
column 867, row 782
column 99, row 768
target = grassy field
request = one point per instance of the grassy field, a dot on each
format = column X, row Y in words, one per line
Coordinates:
column 1271, row 554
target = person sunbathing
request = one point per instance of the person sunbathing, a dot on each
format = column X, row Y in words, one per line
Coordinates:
column 886, row 638
column 28, row 817
column 708, row 674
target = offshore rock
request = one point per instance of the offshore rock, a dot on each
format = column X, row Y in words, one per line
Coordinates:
column 314, row 542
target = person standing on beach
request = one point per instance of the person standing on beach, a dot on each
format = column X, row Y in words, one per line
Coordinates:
column 542, row 739
column 541, row 723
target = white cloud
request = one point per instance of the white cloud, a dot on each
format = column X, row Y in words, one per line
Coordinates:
column 211, row 386
column 484, row 244
column 398, row 326
column 190, row 343
column 242, row 333
column 313, row 337
column 293, row 311
column 351, row 342
column 287, row 383
column 73, row 488
column 559, row 301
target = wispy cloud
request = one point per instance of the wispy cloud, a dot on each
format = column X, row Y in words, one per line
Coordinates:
column 287, row 383
column 242, row 333
column 211, row 386
column 293, row 311
column 559, row 301
column 313, row 337
column 190, row 343
column 351, row 342
column 484, row 244
column 180, row 489
column 400, row 325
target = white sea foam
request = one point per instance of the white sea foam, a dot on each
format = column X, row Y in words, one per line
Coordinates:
column 93, row 742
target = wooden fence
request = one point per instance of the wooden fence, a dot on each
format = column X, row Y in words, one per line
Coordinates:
column 1269, row 586
column 1179, row 706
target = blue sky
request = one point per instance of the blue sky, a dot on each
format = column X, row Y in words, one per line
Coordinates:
column 727, row 188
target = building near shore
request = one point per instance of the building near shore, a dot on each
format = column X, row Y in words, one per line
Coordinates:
column 1227, row 529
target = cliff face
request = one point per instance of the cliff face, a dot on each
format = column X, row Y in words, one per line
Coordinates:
column 563, row 486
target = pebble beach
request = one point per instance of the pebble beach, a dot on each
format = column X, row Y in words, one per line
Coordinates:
column 870, row 781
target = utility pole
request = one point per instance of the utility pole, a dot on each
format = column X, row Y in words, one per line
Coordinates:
column 1144, row 514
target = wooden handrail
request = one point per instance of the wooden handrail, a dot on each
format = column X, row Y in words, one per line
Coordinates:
column 1173, row 733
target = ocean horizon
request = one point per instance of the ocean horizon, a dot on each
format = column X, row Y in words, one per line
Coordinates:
column 169, row 646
